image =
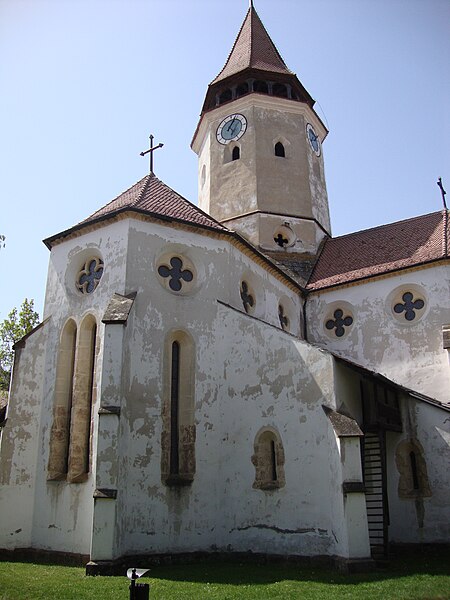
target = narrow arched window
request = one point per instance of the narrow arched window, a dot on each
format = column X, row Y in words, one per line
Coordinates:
column 178, row 415
column 414, row 474
column 82, row 400
column 236, row 153
column 268, row 460
column 279, row 150
column 174, row 401
column 60, row 431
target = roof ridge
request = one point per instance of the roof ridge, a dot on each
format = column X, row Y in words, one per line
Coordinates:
column 253, row 9
column 144, row 189
column 114, row 199
column 445, row 233
column 233, row 47
column 344, row 235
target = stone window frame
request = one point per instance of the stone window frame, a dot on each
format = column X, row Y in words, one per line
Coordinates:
column 268, row 460
column 187, row 286
column 83, row 288
column 229, row 152
column 411, row 465
column 179, row 471
column 396, row 297
column 75, row 393
column 348, row 312
column 284, row 236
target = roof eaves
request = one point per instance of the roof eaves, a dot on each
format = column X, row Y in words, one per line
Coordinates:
column 115, row 213
column 311, row 289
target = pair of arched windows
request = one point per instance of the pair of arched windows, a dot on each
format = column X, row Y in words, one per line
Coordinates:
column 74, row 395
column 178, row 434
column 278, row 151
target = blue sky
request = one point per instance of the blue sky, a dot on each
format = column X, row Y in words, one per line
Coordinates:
column 84, row 82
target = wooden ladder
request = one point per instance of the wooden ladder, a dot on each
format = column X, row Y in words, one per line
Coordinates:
column 376, row 496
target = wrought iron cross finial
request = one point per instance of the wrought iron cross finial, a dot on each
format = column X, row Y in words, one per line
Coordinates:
column 150, row 150
column 443, row 192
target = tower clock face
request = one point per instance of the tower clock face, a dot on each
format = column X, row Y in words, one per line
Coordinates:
column 231, row 128
column 313, row 139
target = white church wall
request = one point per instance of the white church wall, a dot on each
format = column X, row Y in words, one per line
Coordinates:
column 422, row 515
column 19, row 443
column 408, row 352
column 54, row 526
column 248, row 375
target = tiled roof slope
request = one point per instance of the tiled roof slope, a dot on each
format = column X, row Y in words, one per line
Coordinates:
column 381, row 250
column 253, row 49
column 152, row 196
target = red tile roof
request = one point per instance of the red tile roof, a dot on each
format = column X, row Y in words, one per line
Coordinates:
column 152, row 197
column 253, row 49
column 381, row 250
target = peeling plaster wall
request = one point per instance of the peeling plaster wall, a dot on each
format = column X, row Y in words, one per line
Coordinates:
column 421, row 519
column 410, row 353
column 60, row 513
column 248, row 374
column 293, row 185
column 20, row 443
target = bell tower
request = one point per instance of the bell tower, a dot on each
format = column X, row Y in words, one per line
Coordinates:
column 259, row 143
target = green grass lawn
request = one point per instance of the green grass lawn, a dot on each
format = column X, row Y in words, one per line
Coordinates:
column 424, row 575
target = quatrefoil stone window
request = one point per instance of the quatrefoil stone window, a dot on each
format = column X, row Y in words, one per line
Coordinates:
column 339, row 323
column 409, row 307
column 177, row 273
column 247, row 297
column 89, row 276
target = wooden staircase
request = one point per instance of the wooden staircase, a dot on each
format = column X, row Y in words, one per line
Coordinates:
column 376, row 496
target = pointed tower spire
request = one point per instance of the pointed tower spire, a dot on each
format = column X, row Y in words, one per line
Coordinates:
column 253, row 58
column 253, row 49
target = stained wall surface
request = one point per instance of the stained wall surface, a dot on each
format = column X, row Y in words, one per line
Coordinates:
column 409, row 352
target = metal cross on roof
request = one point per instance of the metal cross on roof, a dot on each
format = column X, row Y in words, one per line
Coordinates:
column 443, row 192
column 150, row 150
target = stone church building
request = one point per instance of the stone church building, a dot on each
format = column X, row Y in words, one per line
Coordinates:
column 230, row 378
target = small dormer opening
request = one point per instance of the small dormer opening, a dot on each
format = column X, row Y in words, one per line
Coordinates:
column 236, row 153
column 260, row 87
column 279, row 150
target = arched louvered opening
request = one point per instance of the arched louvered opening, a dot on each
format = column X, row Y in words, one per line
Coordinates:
column 280, row 90
column 242, row 90
column 225, row 96
column 260, row 87
column 236, row 153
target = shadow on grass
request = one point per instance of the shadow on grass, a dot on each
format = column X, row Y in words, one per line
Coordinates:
column 402, row 563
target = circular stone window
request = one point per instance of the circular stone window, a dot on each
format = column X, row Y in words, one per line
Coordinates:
column 339, row 321
column 176, row 273
column 407, row 304
column 283, row 236
column 89, row 275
